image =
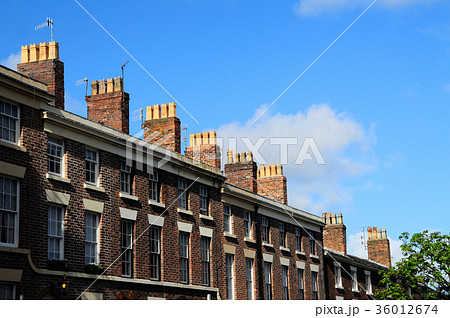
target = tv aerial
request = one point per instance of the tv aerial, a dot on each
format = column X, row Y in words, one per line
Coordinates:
column 81, row 81
column 47, row 23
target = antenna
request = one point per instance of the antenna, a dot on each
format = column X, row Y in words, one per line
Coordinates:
column 123, row 82
column 138, row 115
column 184, row 129
column 49, row 23
column 81, row 81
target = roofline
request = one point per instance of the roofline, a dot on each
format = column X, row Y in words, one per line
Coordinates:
column 366, row 263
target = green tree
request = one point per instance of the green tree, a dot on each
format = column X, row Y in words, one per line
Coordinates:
column 424, row 268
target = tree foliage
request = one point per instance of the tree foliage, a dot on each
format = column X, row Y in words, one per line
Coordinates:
column 424, row 269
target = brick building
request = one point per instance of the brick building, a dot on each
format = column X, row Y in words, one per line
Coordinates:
column 81, row 197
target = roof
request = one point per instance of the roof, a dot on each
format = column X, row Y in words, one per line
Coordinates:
column 353, row 260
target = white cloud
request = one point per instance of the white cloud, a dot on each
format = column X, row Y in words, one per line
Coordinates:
column 354, row 247
column 317, row 7
column 345, row 145
column 11, row 61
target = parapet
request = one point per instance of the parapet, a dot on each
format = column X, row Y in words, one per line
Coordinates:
column 270, row 171
column 239, row 157
column 205, row 138
column 161, row 111
column 331, row 218
column 43, row 51
column 377, row 234
column 107, row 86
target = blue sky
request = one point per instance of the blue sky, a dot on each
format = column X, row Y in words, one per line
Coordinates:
column 376, row 103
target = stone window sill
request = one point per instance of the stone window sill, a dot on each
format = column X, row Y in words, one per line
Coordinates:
column 314, row 257
column 340, row 287
column 155, row 203
column 12, row 146
column 247, row 239
column 300, row 253
column 95, row 188
column 57, row 178
column 206, row 217
column 284, row 249
column 184, row 211
column 128, row 196
column 267, row 245
column 229, row 235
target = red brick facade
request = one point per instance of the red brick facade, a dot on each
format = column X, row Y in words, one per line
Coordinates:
column 242, row 172
column 164, row 132
column 334, row 233
column 378, row 246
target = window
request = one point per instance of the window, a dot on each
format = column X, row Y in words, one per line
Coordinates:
column 9, row 211
column 153, row 186
column 354, row 274
column 314, row 285
column 227, row 218
column 91, row 238
column 9, row 122
column 282, row 228
column 285, row 281
column 184, row 257
column 298, row 239
column 91, row 166
column 7, row 291
column 247, row 224
column 368, row 282
column 55, row 156
column 155, row 253
column 229, row 260
column 206, row 254
column 127, row 248
column 268, row 280
column 204, row 201
column 182, row 194
column 301, row 284
column 312, row 244
column 125, row 177
column 338, row 275
column 55, row 233
column 265, row 229
column 249, row 277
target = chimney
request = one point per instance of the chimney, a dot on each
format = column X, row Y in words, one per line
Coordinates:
column 334, row 232
column 41, row 62
column 378, row 246
column 109, row 104
column 162, row 126
column 242, row 170
column 203, row 147
column 272, row 183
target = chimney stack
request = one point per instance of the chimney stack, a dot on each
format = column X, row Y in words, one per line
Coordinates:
column 378, row 246
column 109, row 104
column 242, row 170
column 41, row 62
column 272, row 183
column 334, row 232
column 162, row 126
column 203, row 147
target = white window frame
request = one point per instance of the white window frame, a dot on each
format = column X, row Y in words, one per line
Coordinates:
column 248, row 224
column 203, row 196
column 205, row 245
column 96, row 162
column 315, row 285
column 312, row 244
column 182, row 194
column 249, row 276
column 265, row 229
column 51, row 236
column 96, row 243
column 227, row 219
column 298, row 239
column 15, row 242
column 184, row 255
column 301, row 283
column 127, row 252
column 337, row 274
column 125, row 177
column 285, row 282
column 368, row 276
column 17, row 123
column 155, row 252
column 282, row 233
column 57, row 143
column 268, row 281
column 354, row 275
column 153, row 178
column 229, row 275
column 8, row 285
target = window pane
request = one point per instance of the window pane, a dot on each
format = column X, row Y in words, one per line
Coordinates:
column 229, row 259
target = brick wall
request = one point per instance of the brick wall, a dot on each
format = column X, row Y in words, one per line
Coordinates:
column 378, row 246
column 334, row 233
column 242, row 172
